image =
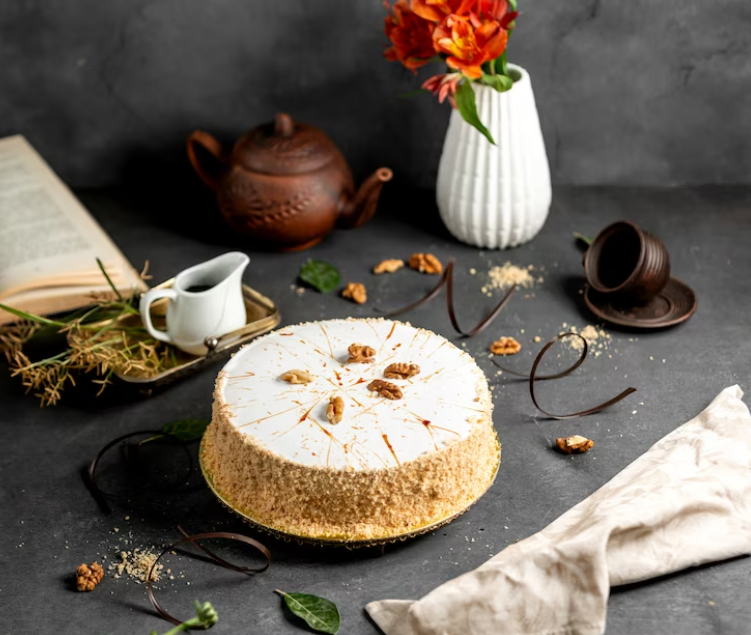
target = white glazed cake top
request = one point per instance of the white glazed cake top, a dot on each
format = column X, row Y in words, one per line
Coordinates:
column 436, row 410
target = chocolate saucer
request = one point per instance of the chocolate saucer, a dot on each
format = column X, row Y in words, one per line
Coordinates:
column 673, row 305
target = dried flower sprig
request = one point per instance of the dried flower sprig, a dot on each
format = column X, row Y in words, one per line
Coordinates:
column 14, row 336
column 101, row 339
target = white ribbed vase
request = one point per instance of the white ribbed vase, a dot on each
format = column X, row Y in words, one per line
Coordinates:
column 496, row 196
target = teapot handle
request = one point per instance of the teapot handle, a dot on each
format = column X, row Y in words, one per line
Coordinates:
column 197, row 141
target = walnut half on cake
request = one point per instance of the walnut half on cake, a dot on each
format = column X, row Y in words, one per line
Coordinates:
column 283, row 455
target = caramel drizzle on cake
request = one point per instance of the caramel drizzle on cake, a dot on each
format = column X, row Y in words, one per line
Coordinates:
column 391, row 449
column 328, row 341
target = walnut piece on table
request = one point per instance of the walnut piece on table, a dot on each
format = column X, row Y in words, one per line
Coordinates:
column 388, row 266
column 356, row 292
column 505, row 346
column 360, row 354
column 401, row 370
column 296, row 376
column 88, row 576
column 426, row 263
column 335, row 409
column 576, row 443
column 385, row 389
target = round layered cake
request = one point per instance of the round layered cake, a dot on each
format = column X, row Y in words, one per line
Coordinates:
column 351, row 430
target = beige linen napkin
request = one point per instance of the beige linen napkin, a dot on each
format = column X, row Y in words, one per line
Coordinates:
column 685, row 502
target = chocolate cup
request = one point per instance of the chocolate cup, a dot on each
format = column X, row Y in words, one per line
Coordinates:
column 630, row 265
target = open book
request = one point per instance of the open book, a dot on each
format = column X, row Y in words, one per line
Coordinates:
column 48, row 242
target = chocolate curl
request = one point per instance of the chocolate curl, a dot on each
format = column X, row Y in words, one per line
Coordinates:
column 101, row 496
column 427, row 298
column 226, row 564
column 194, row 540
column 447, row 280
column 485, row 322
column 532, row 377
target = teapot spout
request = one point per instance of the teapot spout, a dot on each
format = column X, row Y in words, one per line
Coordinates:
column 360, row 208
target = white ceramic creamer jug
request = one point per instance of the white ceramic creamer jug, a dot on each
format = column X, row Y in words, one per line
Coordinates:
column 205, row 300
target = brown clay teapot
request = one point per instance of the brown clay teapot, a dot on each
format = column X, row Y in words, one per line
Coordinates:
column 285, row 183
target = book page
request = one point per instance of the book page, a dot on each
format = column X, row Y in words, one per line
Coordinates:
column 47, row 238
column 42, row 302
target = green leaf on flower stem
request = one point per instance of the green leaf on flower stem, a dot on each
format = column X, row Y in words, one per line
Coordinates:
column 319, row 613
column 501, row 83
column 320, row 275
column 185, row 430
column 512, row 4
column 465, row 104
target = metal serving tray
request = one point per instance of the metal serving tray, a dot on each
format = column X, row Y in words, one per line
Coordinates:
column 262, row 314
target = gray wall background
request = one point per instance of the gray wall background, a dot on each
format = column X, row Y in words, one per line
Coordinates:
column 638, row 92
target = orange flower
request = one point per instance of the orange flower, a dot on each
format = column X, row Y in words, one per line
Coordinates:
column 443, row 86
column 494, row 9
column 437, row 10
column 469, row 43
column 497, row 10
column 411, row 36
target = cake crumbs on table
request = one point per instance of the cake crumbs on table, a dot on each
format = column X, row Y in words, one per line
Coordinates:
column 502, row 277
column 137, row 564
column 598, row 339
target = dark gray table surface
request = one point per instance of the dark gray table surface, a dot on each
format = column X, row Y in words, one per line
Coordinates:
column 49, row 522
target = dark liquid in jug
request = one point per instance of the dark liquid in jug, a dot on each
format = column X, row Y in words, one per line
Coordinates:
column 198, row 288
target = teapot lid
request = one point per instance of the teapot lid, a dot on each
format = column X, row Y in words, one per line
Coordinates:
column 283, row 147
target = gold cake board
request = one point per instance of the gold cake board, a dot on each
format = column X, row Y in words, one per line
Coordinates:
column 337, row 542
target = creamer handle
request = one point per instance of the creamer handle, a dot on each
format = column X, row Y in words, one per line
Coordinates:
column 147, row 299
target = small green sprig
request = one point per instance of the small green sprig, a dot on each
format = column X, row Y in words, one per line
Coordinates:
column 206, row 616
column 185, row 430
column 587, row 240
